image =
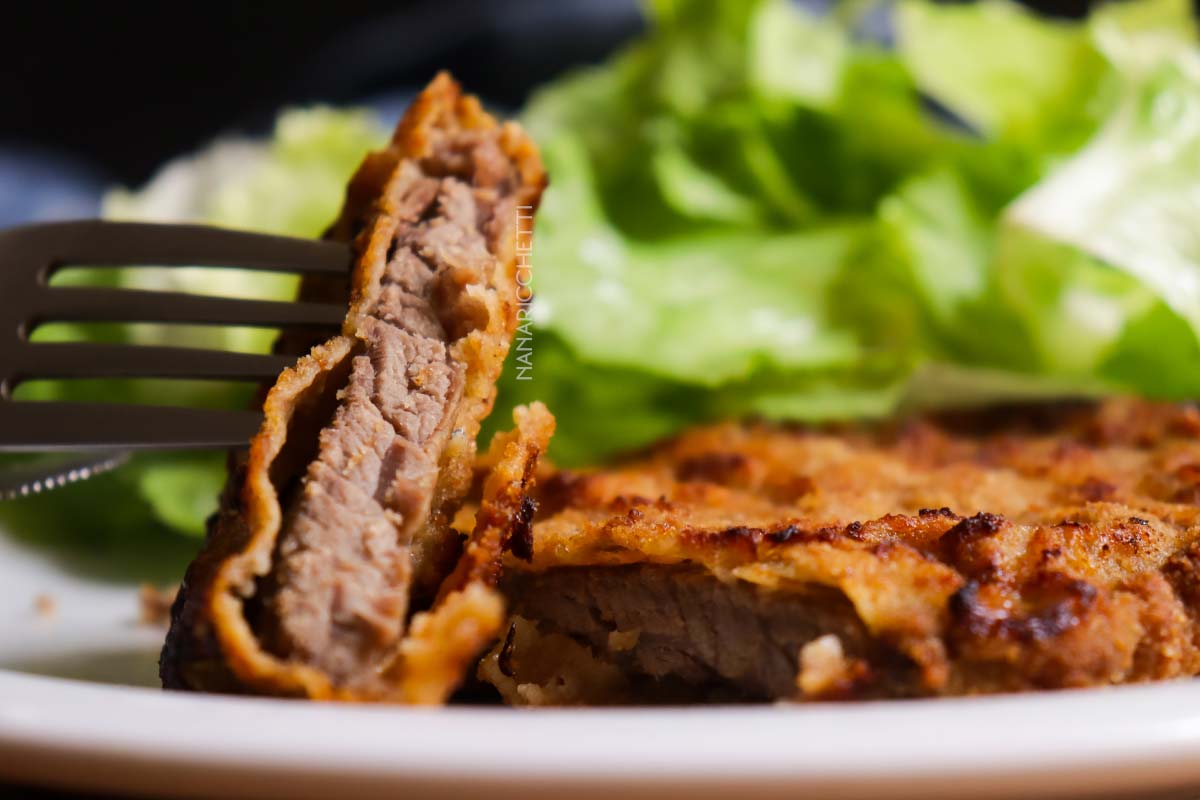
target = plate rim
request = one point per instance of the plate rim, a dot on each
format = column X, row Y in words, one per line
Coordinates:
column 1121, row 738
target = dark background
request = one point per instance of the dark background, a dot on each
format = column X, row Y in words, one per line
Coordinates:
column 126, row 86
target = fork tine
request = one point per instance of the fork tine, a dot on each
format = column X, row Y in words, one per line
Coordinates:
column 91, row 360
column 32, row 427
column 32, row 252
column 75, row 304
column 100, row 242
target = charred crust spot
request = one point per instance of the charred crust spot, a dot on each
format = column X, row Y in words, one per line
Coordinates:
column 829, row 535
column 981, row 525
column 717, row 467
column 788, row 534
column 504, row 660
column 783, row 534
column 1094, row 490
column 737, row 536
column 1036, row 418
column 520, row 542
column 1050, row 554
column 925, row 513
column 531, row 464
column 393, row 248
column 1072, row 599
column 742, row 532
column 966, row 610
column 562, row 490
column 968, row 544
column 1063, row 603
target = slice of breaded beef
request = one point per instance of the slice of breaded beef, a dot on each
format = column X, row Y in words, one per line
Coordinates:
column 336, row 528
column 1048, row 547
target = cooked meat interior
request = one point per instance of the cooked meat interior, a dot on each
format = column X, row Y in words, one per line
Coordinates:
column 445, row 642
column 987, row 552
column 336, row 529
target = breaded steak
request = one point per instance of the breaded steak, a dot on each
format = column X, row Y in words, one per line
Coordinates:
column 333, row 537
column 997, row 551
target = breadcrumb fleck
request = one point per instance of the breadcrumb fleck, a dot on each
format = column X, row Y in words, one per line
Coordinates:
column 45, row 606
column 155, row 604
column 822, row 665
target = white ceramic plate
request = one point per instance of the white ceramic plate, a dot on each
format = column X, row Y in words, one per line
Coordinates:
column 77, row 709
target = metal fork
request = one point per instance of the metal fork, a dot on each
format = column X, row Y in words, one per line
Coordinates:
column 30, row 254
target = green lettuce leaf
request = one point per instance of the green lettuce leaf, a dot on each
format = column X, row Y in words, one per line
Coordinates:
column 1001, row 68
column 712, row 307
column 753, row 203
column 1104, row 250
column 713, row 189
column 1086, row 278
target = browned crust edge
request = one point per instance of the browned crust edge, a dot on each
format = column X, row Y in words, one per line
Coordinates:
column 212, row 645
column 443, row 643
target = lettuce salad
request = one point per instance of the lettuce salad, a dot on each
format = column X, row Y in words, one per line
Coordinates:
column 756, row 211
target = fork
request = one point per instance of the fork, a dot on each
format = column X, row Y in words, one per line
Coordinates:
column 29, row 255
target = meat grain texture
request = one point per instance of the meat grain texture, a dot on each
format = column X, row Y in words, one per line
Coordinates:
column 987, row 552
column 336, row 529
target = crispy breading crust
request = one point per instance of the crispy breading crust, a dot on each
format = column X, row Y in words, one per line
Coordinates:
column 994, row 552
column 212, row 644
column 444, row 642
